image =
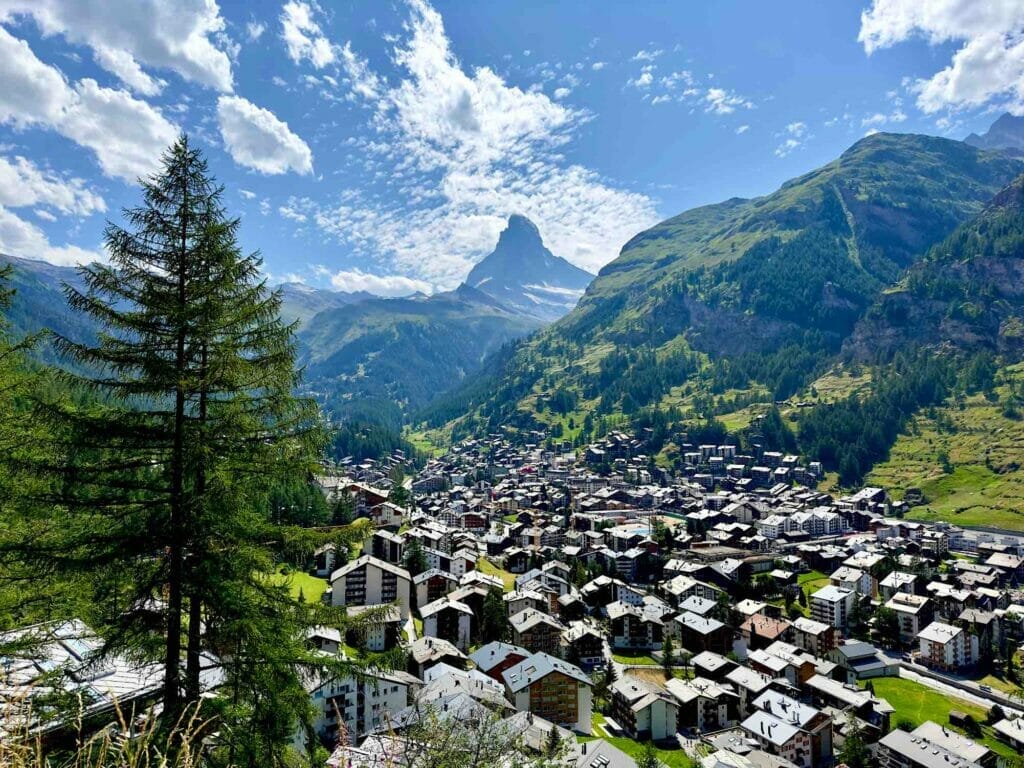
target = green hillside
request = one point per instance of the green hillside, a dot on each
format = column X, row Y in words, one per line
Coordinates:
column 743, row 302
column 374, row 359
column 965, row 457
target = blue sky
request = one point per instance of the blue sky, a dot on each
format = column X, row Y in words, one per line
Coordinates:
column 380, row 145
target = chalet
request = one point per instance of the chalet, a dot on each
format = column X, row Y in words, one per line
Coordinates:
column 583, row 644
column 815, row 637
column 552, row 689
column 643, row 711
column 536, row 631
column 702, row 633
column 371, row 581
column 449, row 620
column 426, row 652
column 494, row 658
column 705, row 704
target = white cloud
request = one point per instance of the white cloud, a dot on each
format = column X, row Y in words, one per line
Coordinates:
column 462, row 149
column 292, row 213
column 23, row 184
column 254, row 30
column 786, row 147
column 363, row 81
column 22, row 238
column 126, row 134
column 561, row 93
column 881, row 118
column 742, row 129
column 597, row 66
column 121, row 63
column 647, row 54
column 256, row 139
column 354, row 280
column 247, row 194
column 723, row 102
column 988, row 66
column 178, row 35
column 644, row 79
column 795, row 134
column 303, row 37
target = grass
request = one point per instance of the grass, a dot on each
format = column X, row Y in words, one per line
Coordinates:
column 635, row 657
column 985, row 484
column 485, row 566
column 310, row 587
column 673, row 758
column 917, row 703
column 812, row 581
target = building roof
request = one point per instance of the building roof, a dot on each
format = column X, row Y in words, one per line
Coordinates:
column 939, row 632
column 489, row 656
column 831, row 594
column 767, row 726
column 370, row 560
column 921, row 751
column 538, row 666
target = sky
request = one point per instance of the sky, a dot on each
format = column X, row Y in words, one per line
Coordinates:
column 380, row 146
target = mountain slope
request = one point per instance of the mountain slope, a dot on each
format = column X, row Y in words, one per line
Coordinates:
column 525, row 276
column 39, row 304
column 750, row 297
column 300, row 302
column 377, row 357
column 1006, row 133
column 967, row 293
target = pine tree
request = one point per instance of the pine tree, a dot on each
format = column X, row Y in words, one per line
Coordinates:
column 494, row 624
column 191, row 424
column 668, row 657
column 649, row 757
column 855, row 752
column 415, row 560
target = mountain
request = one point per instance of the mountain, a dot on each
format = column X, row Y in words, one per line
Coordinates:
column 301, row 302
column 525, row 276
column 967, row 293
column 375, row 358
column 38, row 303
column 745, row 301
column 1006, row 133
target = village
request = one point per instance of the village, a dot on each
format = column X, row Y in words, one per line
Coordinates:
column 729, row 614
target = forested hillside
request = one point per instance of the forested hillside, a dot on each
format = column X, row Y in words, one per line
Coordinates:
column 718, row 313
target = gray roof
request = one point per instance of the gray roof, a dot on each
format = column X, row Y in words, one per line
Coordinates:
column 538, row 666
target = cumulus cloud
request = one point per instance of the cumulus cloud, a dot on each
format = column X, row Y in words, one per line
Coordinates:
column 23, row 184
column 125, row 134
column 354, row 280
column 254, row 30
column 303, row 37
column 462, row 149
column 723, row 102
column 647, row 54
column 644, row 79
column 257, row 139
column 987, row 67
column 22, row 238
column 793, row 137
column 184, row 36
